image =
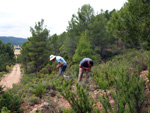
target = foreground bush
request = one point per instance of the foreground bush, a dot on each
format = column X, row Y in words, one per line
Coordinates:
column 39, row 90
column 105, row 73
column 122, row 77
column 10, row 100
column 78, row 100
column 5, row 110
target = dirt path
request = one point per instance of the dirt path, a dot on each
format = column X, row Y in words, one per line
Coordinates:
column 11, row 78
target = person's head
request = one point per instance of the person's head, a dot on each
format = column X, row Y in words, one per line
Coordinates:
column 52, row 57
column 90, row 63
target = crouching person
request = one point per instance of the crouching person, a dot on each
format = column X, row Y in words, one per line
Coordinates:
column 85, row 65
column 62, row 65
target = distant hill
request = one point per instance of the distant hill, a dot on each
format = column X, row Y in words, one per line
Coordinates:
column 13, row 40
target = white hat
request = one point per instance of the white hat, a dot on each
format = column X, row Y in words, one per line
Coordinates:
column 52, row 57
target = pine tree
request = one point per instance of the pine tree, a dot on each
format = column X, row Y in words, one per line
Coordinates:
column 24, row 55
column 6, row 55
column 131, row 24
column 83, row 49
column 38, row 46
column 53, row 42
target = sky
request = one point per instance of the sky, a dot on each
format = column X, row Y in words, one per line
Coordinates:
column 17, row 16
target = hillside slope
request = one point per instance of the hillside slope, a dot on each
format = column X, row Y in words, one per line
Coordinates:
column 13, row 40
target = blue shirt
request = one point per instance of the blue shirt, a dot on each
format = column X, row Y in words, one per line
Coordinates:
column 59, row 58
column 84, row 62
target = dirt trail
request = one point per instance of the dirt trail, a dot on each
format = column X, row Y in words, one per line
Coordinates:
column 11, row 78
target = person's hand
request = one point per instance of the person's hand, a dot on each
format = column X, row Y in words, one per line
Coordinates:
column 87, row 70
column 57, row 66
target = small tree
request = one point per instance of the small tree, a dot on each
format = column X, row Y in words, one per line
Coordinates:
column 36, row 49
column 83, row 49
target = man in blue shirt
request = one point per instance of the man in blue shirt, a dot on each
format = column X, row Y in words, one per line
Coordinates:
column 62, row 65
column 85, row 64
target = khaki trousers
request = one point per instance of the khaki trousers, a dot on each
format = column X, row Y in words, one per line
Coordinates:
column 80, row 76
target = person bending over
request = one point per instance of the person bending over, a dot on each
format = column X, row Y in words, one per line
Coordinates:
column 85, row 64
column 62, row 65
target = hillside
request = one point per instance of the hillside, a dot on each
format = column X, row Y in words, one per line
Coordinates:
column 13, row 40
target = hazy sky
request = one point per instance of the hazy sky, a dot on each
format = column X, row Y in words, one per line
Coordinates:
column 17, row 16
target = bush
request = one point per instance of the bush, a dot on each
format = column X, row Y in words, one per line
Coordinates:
column 1, row 74
column 39, row 91
column 5, row 110
column 10, row 100
column 128, row 94
column 8, row 68
column 122, row 75
column 73, row 71
column 79, row 101
column 105, row 73
column 28, row 78
column 68, row 111
column 33, row 100
column 47, row 69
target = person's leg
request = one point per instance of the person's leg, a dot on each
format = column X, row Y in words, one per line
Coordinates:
column 80, row 74
column 62, row 70
column 87, row 76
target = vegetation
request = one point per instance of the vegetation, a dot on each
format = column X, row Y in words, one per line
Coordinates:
column 117, row 41
column 79, row 101
column 122, row 71
column 131, row 24
column 6, row 56
column 9, row 101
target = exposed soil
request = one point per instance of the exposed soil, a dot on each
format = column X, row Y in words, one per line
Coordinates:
column 11, row 78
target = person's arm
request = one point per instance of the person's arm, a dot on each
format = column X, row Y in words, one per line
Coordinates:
column 59, row 65
column 86, row 68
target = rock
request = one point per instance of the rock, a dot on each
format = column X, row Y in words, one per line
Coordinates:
column 34, row 110
column 112, row 102
column 44, row 104
column 66, row 77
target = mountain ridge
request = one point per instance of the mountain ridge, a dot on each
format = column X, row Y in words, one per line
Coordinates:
column 13, row 40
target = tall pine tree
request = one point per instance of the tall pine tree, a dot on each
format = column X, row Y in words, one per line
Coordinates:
column 38, row 46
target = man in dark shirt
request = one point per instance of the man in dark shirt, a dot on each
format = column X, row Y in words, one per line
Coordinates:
column 85, row 64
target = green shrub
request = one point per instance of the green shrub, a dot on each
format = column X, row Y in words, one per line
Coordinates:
column 5, row 110
column 122, row 75
column 128, row 93
column 105, row 73
column 148, row 57
column 8, row 68
column 73, row 71
column 28, row 78
column 47, row 84
column 10, row 100
column 1, row 89
column 79, row 101
column 47, row 69
column 33, row 100
column 39, row 90
column 68, row 111
column 1, row 74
